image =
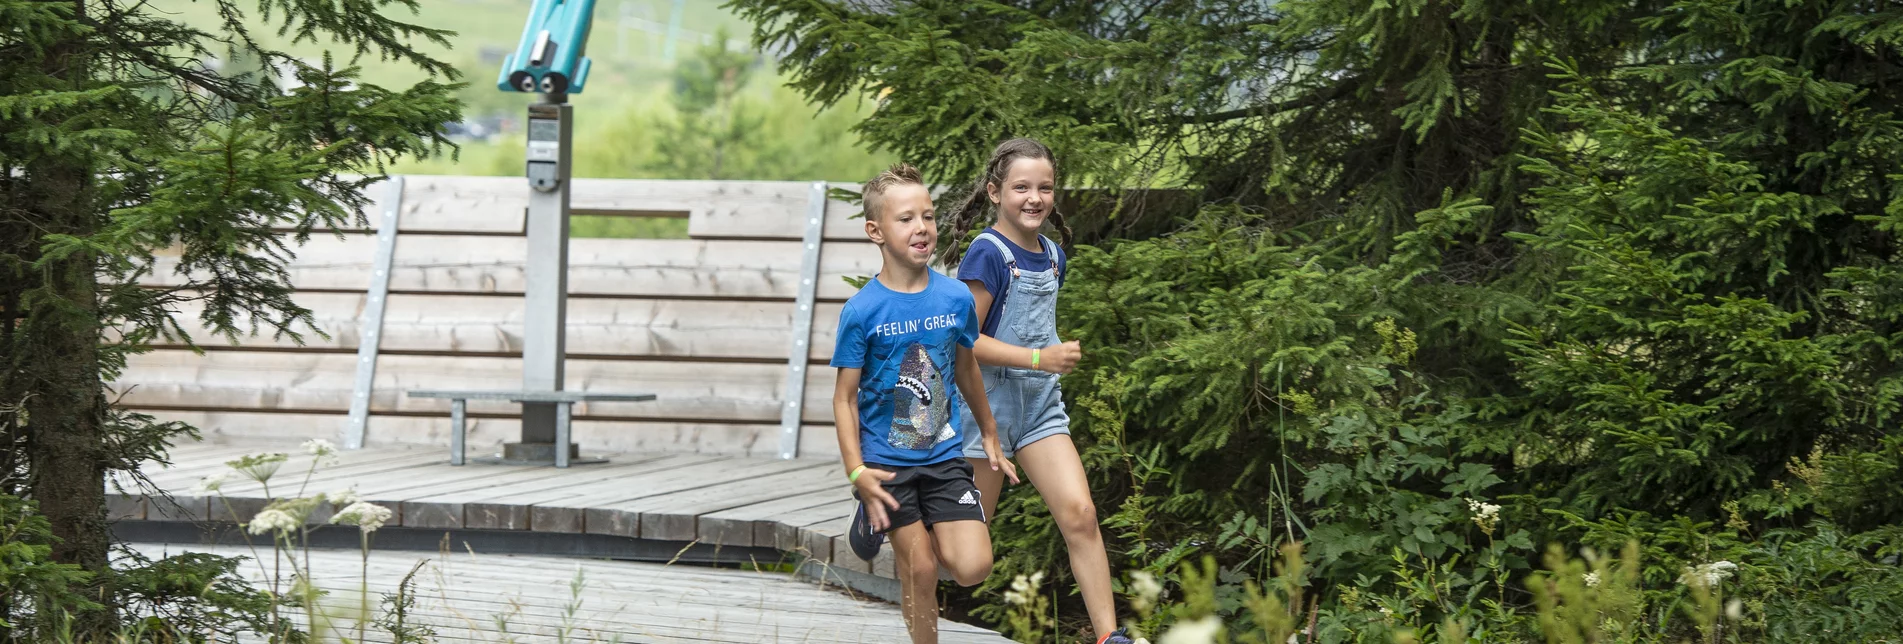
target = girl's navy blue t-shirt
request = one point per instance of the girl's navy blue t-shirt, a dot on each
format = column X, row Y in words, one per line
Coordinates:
column 985, row 264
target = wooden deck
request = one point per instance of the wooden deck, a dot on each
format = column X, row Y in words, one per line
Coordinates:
column 796, row 509
column 473, row 597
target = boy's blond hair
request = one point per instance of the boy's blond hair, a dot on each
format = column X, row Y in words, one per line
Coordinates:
column 874, row 193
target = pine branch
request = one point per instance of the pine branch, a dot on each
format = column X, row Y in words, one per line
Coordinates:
column 1302, row 102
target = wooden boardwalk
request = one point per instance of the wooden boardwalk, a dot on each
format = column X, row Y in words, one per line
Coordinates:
column 799, row 508
column 473, row 597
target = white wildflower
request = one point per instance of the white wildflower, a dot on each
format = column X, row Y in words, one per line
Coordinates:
column 323, row 450
column 1145, row 590
column 1485, row 515
column 1387, row 613
column 1024, row 589
column 1483, row 510
column 211, row 483
column 1592, row 579
column 1194, row 631
column 272, row 520
column 258, row 467
column 366, row 516
column 343, row 498
column 1734, row 610
column 1707, row 575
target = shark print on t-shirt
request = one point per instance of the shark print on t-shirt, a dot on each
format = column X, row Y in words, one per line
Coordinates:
column 921, row 410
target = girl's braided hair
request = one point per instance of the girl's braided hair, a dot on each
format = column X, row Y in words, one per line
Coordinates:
column 967, row 213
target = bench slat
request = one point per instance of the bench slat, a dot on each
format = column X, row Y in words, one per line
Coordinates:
column 532, row 396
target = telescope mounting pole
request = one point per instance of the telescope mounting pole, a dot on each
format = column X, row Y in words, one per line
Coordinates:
column 545, row 313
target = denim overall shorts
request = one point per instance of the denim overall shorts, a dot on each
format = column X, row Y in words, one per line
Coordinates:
column 1025, row 402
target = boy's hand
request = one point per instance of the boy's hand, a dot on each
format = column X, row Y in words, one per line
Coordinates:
column 1060, row 358
column 875, row 496
column 995, row 454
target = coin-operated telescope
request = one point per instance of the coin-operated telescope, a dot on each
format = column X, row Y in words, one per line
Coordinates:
column 549, row 59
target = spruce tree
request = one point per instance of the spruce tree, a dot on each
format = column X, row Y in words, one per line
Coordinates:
column 119, row 137
column 1623, row 270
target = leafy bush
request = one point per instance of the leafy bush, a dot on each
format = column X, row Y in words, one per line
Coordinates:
column 185, row 598
column 1684, row 359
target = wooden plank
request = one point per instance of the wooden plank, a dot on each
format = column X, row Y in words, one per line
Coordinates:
column 466, row 597
column 616, row 510
column 122, row 507
column 751, row 524
column 188, row 465
column 843, row 556
column 342, row 261
column 781, row 220
column 709, row 205
column 497, row 204
column 639, row 267
column 487, row 434
column 511, row 509
column 560, row 509
column 446, row 508
column 433, row 203
column 596, row 326
column 820, row 382
column 322, row 382
column 242, row 498
column 786, row 530
column 225, row 380
column 819, row 544
column 597, row 267
column 675, row 517
column 633, row 267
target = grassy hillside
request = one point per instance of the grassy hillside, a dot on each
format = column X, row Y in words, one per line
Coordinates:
column 629, row 96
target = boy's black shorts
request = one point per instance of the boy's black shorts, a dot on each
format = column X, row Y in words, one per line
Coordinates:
column 932, row 493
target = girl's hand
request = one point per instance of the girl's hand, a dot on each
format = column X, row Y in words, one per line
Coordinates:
column 1060, row 358
column 875, row 496
column 999, row 463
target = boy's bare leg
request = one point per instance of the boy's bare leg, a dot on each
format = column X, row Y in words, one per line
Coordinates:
column 990, row 485
column 1053, row 467
column 918, row 580
column 964, row 547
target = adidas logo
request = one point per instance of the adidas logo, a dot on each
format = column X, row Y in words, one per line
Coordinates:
column 970, row 498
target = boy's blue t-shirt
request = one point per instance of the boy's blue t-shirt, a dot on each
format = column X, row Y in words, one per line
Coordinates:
column 984, row 263
column 906, row 344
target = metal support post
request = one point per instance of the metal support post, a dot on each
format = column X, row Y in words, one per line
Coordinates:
column 458, row 430
column 370, row 332
column 803, row 322
column 563, row 411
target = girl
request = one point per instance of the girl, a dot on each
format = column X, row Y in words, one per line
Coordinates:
column 1014, row 273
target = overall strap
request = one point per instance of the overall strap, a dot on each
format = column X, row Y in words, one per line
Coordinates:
column 1055, row 252
column 1010, row 261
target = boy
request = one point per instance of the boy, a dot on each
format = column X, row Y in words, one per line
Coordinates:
column 903, row 352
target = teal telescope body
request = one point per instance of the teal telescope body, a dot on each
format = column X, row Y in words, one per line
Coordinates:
column 549, row 59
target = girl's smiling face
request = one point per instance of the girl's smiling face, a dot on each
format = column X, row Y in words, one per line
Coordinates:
column 1027, row 195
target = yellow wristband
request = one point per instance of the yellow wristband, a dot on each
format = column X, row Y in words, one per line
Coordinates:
column 1035, row 354
column 854, row 476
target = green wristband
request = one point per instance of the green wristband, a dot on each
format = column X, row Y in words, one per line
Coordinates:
column 854, row 476
column 1035, row 354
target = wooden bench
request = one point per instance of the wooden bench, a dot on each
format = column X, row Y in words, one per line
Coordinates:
column 564, row 403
